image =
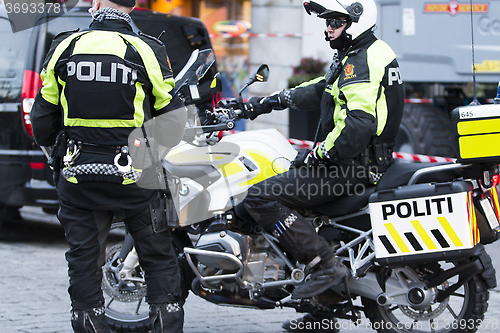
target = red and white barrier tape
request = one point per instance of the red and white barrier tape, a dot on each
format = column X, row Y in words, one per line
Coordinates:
column 421, row 158
column 305, row 144
column 419, row 100
column 431, row 101
column 249, row 35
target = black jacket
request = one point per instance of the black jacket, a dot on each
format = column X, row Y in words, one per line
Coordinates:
column 100, row 84
column 363, row 105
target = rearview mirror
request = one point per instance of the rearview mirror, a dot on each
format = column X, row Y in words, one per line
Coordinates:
column 261, row 75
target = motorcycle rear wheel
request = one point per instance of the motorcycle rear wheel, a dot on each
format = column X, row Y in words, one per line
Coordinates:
column 462, row 312
column 126, row 307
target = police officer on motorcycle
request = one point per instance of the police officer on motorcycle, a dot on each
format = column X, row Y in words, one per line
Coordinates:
column 98, row 86
column 361, row 101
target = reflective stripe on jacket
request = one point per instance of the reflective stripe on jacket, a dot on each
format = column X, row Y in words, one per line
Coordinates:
column 107, row 81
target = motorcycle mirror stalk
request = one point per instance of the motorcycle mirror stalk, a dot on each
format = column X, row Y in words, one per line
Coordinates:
column 261, row 75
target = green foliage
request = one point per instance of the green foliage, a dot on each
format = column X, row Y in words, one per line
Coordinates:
column 308, row 69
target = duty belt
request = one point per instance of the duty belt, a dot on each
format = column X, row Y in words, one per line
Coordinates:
column 120, row 153
column 75, row 148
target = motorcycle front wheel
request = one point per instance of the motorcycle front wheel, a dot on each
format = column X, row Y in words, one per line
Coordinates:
column 126, row 307
column 462, row 312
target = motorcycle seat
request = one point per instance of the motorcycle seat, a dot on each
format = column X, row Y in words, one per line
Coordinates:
column 398, row 174
column 345, row 205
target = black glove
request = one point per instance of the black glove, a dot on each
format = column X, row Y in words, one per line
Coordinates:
column 229, row 103
column 313, row 159
column 260, row 105
column 300, row 158
column 247, row 110
column 306, row 157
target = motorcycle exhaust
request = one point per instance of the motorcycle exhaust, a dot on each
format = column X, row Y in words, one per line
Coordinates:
column 223, row 297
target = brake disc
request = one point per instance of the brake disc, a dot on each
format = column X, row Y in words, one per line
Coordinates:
column 114, row 286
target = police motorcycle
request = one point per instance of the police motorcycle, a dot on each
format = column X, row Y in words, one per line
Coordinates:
column 413, row 242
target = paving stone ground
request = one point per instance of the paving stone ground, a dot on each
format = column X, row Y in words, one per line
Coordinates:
column 33, row 283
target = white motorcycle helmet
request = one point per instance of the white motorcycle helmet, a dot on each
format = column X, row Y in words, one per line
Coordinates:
column 361, row 13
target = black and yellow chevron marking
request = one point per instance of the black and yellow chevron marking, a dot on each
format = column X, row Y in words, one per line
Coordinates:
column 439, row 237
column 387, row 244
column 395, row 241
column 413, row 241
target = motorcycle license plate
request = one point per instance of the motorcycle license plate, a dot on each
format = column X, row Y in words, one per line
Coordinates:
column 424, row 225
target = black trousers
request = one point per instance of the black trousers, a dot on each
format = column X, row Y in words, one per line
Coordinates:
column 271, row 204
column 86, row 212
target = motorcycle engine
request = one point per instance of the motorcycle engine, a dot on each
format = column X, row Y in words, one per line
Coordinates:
column 223, row 241
column 259, row 263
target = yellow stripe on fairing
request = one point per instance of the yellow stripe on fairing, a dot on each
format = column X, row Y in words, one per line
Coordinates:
column 229, row 169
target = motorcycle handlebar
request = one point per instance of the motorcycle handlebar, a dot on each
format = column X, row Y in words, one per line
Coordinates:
column 222, row 118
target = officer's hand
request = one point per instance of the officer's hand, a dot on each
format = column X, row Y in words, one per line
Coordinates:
column 306, row 157
column 242, row 110
column 261, row 105
column 230, row 103
column 300, row 159
column 313, row 159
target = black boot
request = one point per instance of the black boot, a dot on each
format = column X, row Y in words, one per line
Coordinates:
column 329, row 273
column 166, row 318
column 311, row 324
column 89, row 321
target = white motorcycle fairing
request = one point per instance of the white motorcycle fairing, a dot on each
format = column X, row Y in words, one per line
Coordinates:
column 234, row 164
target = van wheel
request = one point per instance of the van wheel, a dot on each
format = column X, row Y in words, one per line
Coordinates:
column 8, row 213
column 426, row 129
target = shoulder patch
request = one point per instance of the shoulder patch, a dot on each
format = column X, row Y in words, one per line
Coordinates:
column 151, row 37
column 355, row 69
column 68, row 32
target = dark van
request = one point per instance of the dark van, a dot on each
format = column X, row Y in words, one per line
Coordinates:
column 26, row 180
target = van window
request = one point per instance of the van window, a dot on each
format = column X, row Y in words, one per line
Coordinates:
column 65, row 23
column 13, row 50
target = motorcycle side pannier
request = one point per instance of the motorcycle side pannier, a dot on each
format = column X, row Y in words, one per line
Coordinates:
column 424, row 223
column 478, row 131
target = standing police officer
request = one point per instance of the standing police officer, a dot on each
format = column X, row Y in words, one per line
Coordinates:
column 98, row 86
column 361, row 100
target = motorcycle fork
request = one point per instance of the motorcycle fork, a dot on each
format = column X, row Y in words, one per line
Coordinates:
column 127, row 246
column 128, row 256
